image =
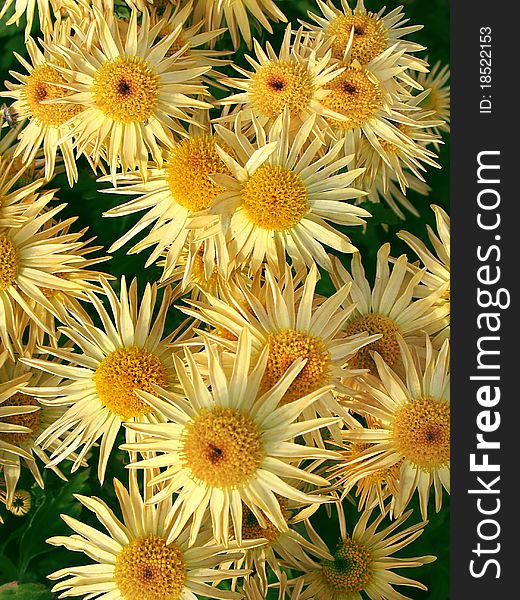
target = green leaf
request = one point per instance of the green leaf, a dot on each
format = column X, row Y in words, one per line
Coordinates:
column 24, row 591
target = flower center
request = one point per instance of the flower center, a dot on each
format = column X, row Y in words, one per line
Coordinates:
column 148, row 569
column 350, row 571
column 39, row 87
column 188, row 169
column 275, row 198
column 223, row 447
column 280, row 84
column 387, row 346
column 21, row 505
column 9, row 262
column 422, row 432
column 123, row 371
column 251, row 529
column 126, row 89
column 284, row 348
column 370, row 36
column 354, row 95
column 30, row 420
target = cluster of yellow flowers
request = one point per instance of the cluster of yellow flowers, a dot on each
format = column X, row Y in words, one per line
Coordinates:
column 270, row 400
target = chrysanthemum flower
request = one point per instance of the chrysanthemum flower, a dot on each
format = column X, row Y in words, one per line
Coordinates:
column 289, row 326
column 21, row 504
column 414, row 430
column 388, row 307
column 99, row 381
column 363, row 561
column 34, row 262
column 170, row 196
column 292, row 80
column 139, row 559
column 437, row 275
column 279, row 198
column 230, row 444
column 48, row 124
column 133, row 96
column 22, row 420
column 358, row 34
column 376, row 106
column 235, row 14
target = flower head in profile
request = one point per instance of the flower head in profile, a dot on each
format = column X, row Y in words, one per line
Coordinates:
column 414, row 427
column 388, row 307
column 230, row 444
column 137, row 558
column 363, row 561
column 436, row 96
column 103, row 370
column 134, row 97
column 281, row 198
column 22, row 420
column 437, row 263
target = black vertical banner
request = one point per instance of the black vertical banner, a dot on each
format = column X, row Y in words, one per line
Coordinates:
column 485, row 175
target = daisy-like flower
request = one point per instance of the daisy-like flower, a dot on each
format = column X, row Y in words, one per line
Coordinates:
column 99, row 380
column 437, row 97
column 229, row 444
column 289, row 326
column 358, row 34
column 170, row 196
column 388, row 307
column 363, row 561
column 48, row 124
column 376, row 106
column 414, row 432
column 21, row 504
column 235, row 14
column 34, row 262
column 22, row 420
column 293, row 79
column 437, row 275
column 133, row 96
column 138, row 558
column 279, row 198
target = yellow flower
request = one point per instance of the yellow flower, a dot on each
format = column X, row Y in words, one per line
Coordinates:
column 229, row 444
column 280, row 198
column 415, row 427
column 139, row 559
column 363, row 561
column 101, row 373
column 133, row 96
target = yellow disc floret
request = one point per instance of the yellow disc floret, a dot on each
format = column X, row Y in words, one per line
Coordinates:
column 123, row 371
column 149, row 569
column 284, row 348
column 31, row 420
column 278, row 85
column 275, row 198
column 222, row 447
column 189, row 166
column 9, row 262
column 370, row 36
column 349, row 572
column 355, row 95
column 39, row 88
column 387, row 346
column 421, row 431
column 126, row 89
